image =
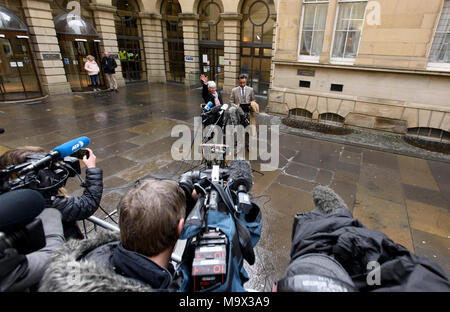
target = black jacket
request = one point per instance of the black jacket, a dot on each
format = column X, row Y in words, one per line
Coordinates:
column 108, row 65
column 353, row 245
column 208, row 96
column 77, row 208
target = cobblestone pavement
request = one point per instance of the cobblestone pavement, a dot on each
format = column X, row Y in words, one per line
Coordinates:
column 405, row 197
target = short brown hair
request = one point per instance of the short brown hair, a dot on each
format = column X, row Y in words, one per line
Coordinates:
column 149, row 217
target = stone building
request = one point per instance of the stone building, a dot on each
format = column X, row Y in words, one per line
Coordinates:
column 153, row 41
column 381, row 64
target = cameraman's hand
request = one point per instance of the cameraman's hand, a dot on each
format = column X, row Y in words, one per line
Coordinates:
column 89, row 162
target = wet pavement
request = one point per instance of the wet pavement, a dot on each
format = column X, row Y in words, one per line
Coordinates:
column 405, row 197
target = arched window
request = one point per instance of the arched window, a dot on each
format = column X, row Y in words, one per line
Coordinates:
column 256, row 43
column 130, row 40
column 173, row 40
column 210, row 22
column 430, row 134
column 332, row 119
column 301, row 114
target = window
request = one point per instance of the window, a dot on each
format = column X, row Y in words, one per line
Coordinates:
column 348, row 29
column 331, row 119
column 430, row 134
column 336, row 87
column 300, row 114
column 440, row 50
column 314, row 18
column 305, row 84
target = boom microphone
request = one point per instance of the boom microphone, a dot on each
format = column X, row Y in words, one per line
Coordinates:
column 19, row 208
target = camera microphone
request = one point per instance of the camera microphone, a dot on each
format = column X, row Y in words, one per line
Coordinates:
column 59, row 152
column 241, row 180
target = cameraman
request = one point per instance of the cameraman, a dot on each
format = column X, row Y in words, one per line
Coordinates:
column 332, row 251
column 151, row 218
column 72, row 208
column 23, row 272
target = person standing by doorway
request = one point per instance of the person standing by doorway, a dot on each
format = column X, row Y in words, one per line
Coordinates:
column 92, row 69
column 109, row 68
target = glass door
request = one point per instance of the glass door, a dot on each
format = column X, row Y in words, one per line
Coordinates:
column 18, row 78
column 212, row 64
column 74, row 53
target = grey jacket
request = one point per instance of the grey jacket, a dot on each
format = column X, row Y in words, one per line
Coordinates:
column 236, row 95
column 29, row 273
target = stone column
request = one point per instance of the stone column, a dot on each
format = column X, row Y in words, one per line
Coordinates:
column 38, row 15
column 232, row 43
column 104, row 23
column 154, row 47
column 329, row 29
column 190, row 39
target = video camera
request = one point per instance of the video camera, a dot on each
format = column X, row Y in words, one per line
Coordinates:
column 45, row 173
column 217, row 231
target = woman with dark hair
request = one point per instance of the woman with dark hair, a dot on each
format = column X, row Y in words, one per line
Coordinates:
column 73, row 208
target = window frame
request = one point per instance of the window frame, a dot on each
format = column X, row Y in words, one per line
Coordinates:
column 309, row 58
column 346, row 60
column 438, row 66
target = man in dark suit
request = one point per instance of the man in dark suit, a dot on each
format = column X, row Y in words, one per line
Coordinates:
column 109, row 68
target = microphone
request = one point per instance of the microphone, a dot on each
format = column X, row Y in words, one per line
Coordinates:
column 59, row 152
column 71, row 147
column 241, row 180
column 240, row 174
column 19, row 207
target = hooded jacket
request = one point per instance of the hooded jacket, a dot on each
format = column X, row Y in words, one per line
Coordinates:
column 91, row 68
column 89, row 265
column 340, row 236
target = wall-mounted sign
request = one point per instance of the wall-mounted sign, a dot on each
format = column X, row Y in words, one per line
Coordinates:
column 51, row 56
column 306, row 72
column 189, row 59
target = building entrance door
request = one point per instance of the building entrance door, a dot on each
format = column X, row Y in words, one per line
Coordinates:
column 18, row 78
column 212, row 64
column 74, row 52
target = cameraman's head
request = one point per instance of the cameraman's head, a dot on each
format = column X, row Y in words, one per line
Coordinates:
column 152, row 218
column 19, row 155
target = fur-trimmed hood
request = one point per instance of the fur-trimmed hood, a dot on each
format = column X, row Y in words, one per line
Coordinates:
column 67, row 273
